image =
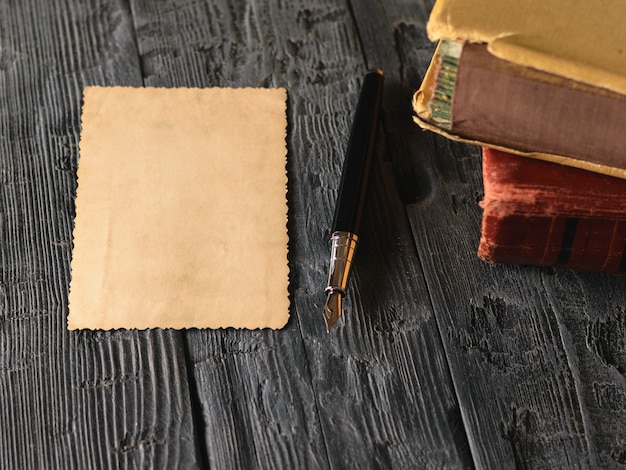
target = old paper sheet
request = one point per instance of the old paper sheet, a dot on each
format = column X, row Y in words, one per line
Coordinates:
column 181, row 210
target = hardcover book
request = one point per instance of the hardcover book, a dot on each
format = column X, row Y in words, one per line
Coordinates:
column 542, row 79
column 541, row 213
column 473, row 95
column 577, row 39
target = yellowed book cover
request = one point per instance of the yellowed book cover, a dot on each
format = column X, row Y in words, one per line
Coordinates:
column 583, row 40
column 565, row 46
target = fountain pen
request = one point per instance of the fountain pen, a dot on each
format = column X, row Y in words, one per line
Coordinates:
column 352, row 191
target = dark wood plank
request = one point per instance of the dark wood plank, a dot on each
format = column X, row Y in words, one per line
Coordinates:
column 441, row 360
column 591, row 316
column 375, row 392
column 537, row 356
column 79, row 399
column 517, row 338
column 533, row 399
column 394, row 39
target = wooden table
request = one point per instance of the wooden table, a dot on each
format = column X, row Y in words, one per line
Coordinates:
column 441, row 360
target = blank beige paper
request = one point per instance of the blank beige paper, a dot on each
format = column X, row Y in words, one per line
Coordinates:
column 181, row 212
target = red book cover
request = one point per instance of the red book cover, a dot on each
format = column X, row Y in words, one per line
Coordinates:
column 542, row 213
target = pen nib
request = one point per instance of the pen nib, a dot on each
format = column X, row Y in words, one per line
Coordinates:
column 332, row 309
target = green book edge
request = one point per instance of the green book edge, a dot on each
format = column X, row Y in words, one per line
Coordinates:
column 440, row 105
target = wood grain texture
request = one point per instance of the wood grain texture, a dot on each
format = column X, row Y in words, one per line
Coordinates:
column 80, row 399
column 592, row 325
column 441, row 360
column 518, row 339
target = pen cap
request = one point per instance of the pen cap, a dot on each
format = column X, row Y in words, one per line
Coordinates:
column 359, row 155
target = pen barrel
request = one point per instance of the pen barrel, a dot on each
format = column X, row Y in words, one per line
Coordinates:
column 359, row 155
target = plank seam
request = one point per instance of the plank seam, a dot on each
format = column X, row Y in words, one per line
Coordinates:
column 195, row 403
column 126, row 5
column 315, row 391
column 570, row 354
column 453, row 381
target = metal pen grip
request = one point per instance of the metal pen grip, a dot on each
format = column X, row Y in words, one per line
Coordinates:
column 343, row 246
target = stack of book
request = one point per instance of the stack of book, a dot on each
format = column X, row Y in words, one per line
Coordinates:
column 541, row 85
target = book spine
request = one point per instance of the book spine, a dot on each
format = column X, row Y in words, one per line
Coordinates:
column 447, row 63
column 481, row 98
column 583, row 243
column 541, row 213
